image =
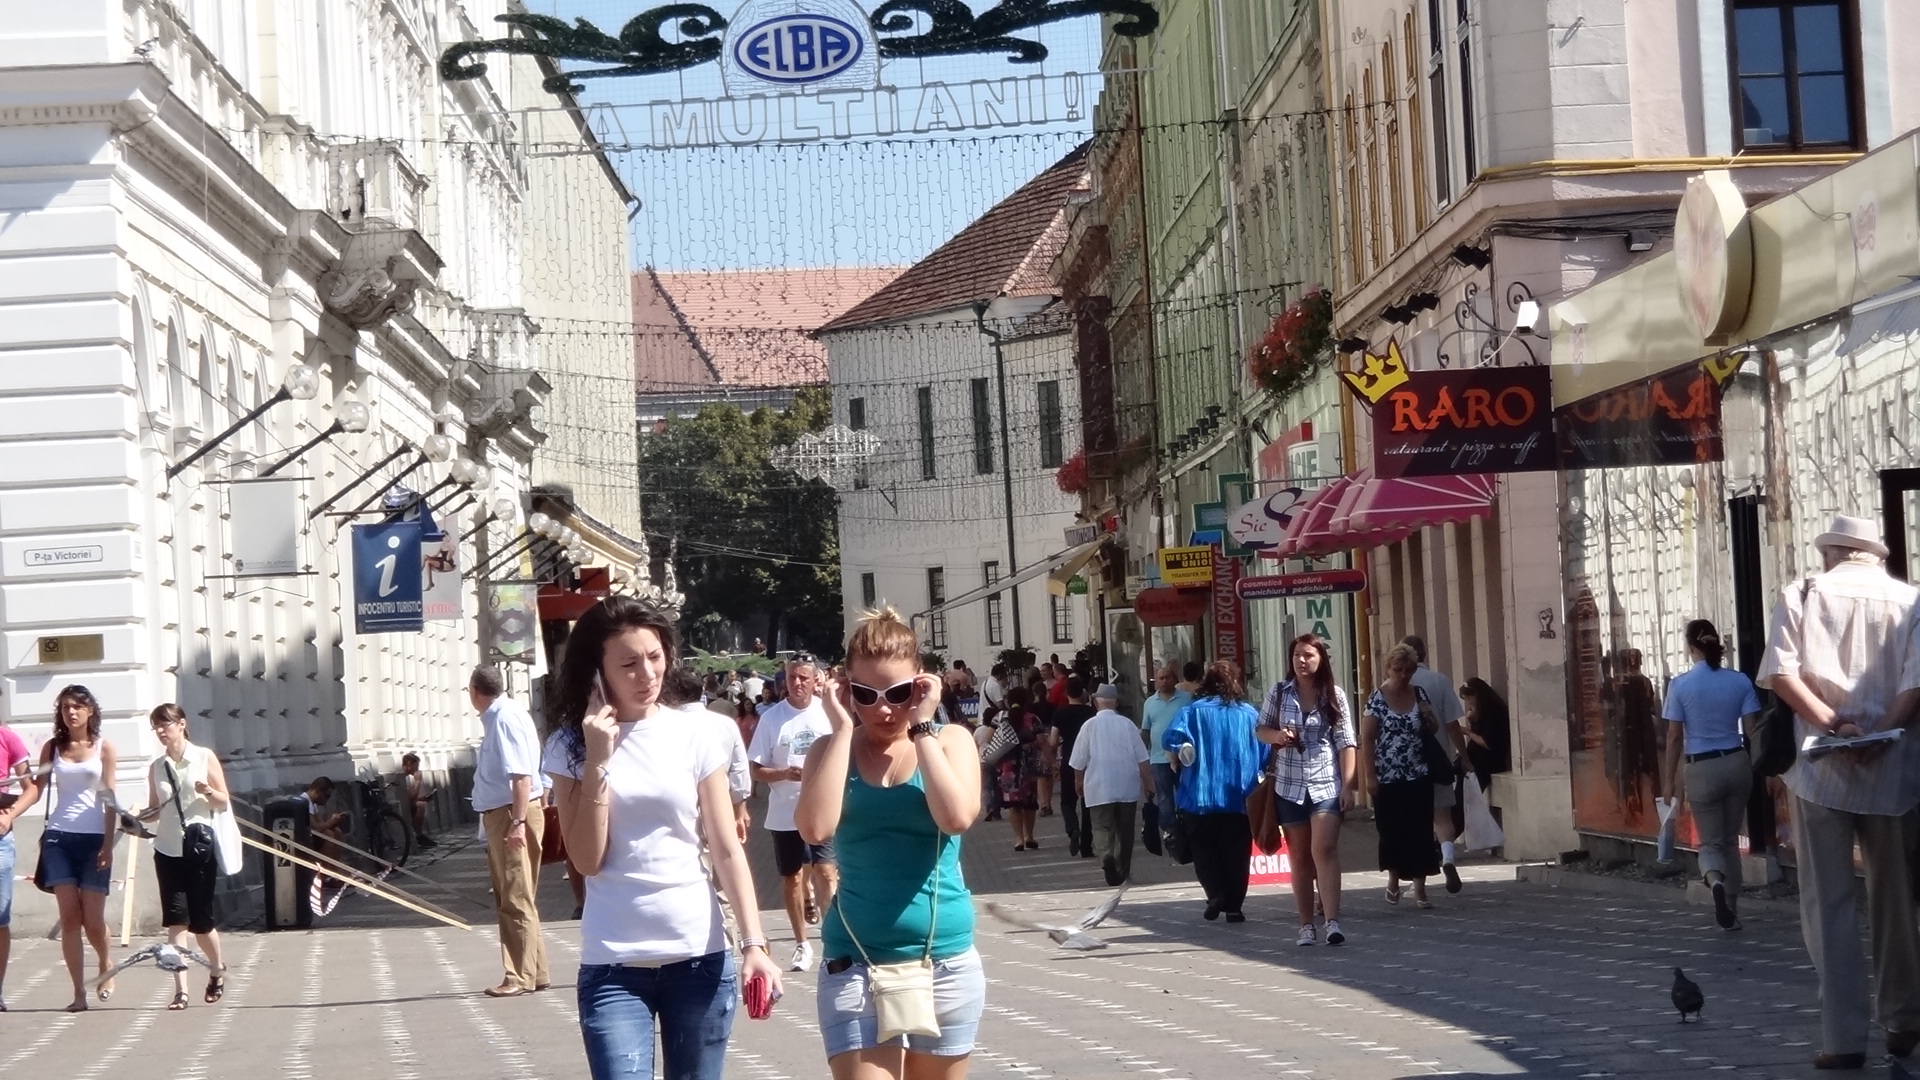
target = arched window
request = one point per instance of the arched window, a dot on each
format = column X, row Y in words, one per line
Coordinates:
column 1396, row 202
column 186, row 396
column 1376, row 231
column 1350, row 127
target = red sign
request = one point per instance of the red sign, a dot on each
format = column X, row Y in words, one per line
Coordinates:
column 1312, row 583
column 1229, row 626
column 1170, row 607
column 1274, row 869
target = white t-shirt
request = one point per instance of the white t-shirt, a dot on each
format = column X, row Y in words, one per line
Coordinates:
column 1109, row 751
column 754, row 685
column 781, row 742
column 651, row 901
column 739, row 781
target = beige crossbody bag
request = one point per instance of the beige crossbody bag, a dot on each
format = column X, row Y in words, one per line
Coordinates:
column 903, row 992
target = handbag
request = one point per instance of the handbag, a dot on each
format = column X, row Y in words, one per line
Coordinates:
column 1773, row 735
column 553, row 846
column 1439, row 764
column 1179, row 842
column 903, row 993
column 1004, row 739
column 226, row 836
column 1263, row 809
column 40, row 865
column 196, row 840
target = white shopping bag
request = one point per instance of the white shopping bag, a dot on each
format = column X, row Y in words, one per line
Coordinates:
column 1666, row 809
column 1482, row 832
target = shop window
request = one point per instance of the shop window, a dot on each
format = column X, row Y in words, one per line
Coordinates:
column 1796, row 75
column 1062, row 609
column 996, row 619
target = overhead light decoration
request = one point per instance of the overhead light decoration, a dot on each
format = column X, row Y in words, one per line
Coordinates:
column 350, row 416
column 302, row 383
column 832, row 456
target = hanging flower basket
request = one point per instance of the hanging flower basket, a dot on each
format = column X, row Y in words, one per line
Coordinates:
column 1299, row 341
column 1072, row 476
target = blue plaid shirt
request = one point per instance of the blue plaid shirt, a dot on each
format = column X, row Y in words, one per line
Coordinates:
column 1310, row 772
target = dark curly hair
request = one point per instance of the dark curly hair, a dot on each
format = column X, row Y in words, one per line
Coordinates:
column 83, row 696
column 586, row 647
column 1324, row 683
column 1223, row 681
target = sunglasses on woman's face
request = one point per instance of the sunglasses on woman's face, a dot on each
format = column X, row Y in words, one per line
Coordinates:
column 897, row 694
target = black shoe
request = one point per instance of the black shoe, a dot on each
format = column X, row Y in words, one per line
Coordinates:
column 425, row 842
column 1211, row 913
column 1453, row 877
column 576, row 914
column 1236, row 916
column 1073, row 851
column 1722, row 911
column 1840, row 1061
column 1086, row 853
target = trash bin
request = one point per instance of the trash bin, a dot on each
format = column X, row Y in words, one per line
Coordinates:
column 287, row 882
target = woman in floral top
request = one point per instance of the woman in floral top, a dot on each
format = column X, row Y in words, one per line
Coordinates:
column 1397, row 777
column 1021, row 769
column 1307, row 718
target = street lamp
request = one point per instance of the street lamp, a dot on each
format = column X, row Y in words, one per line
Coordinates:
column 301, row 384
column 350, row 415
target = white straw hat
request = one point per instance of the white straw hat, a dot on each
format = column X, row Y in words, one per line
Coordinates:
column 1859, row 534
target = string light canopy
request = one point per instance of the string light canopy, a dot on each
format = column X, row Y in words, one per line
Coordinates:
column 832, row 456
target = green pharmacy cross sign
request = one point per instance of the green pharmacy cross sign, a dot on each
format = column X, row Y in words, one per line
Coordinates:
column 1210, row 518
column 813, row 44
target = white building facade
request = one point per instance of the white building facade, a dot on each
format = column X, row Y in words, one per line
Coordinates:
column 205, row 197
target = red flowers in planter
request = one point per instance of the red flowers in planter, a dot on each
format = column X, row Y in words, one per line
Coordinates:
column 1297, row 342
column 1072, row 475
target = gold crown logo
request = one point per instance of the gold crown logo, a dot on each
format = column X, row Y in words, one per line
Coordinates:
column 1378, row 375
column 1721, row 368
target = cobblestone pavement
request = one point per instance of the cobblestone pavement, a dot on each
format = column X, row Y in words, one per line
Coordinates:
column 1505, row 979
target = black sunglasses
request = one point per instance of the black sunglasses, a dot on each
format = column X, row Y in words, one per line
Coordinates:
column 898, row 694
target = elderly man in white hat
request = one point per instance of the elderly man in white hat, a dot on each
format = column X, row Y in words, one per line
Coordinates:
column 1110, row 764
column 1844, row 655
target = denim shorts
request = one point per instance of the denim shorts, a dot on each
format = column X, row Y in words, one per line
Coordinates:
column 6, row 880
column 692, row 1004
column 848, row 1021
column 72, row 858
column 1298, row 813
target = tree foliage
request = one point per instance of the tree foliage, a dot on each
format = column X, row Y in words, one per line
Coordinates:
column 759, row 547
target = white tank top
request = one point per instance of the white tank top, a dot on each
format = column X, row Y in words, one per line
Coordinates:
column 76, row 806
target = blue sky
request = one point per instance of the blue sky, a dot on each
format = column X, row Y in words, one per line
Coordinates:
column 830, row 203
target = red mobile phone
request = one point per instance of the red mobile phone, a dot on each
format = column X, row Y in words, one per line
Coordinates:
column 759, row 1000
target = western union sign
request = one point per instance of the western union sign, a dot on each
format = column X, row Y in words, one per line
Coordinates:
column 1184, row 566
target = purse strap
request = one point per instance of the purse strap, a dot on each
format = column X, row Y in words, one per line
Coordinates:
column 173, row 784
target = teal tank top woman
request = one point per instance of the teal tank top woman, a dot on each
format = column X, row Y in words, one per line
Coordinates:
column 889, row 889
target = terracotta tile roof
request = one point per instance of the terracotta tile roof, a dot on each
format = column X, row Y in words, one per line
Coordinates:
column 666, row 356
column 755, row 327
column 1006, row 252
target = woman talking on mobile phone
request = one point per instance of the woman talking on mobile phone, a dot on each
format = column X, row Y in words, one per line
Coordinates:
column 633, row 785
column 902, row 990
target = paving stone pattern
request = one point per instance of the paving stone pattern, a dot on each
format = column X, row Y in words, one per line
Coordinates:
column 1506, row 979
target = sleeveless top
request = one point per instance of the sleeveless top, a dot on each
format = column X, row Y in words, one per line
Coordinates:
column 886, row 850
column 76, row 806
column 169, row 831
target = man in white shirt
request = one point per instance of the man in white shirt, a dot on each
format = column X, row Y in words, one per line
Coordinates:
column 1844, row 655
column 752, row 684
column 994, row 690
column 1447, row 709
column 1110, row 766
column 787, row 730
column 507, row 799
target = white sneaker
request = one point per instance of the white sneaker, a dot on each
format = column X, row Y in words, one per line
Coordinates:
column 1334, row 936
column 802, row 957
column 1309, row 936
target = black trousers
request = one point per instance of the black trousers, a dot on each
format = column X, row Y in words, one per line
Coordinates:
column 1112, row 825
column 1074, row 816
column 1222, row 846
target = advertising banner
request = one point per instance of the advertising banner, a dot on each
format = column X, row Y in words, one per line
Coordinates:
column 266, row 527
column 1468, row 420
column 1672, row 418
column 516, row 622
column 386, row 578
column 1264, row 869
column 1229, row 619
column 1186, row 566
column 1310, row 583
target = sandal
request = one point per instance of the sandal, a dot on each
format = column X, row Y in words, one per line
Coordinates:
column 1393, row 895
column 812, row 913
column 179, row 1002
column 216, row 987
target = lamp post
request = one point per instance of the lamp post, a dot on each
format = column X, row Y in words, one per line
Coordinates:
column 301, row 384
column 350, row 416
column 1006, row 459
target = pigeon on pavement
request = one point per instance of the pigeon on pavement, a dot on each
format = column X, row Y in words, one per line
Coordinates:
column 1072, row 937
column 168, row 958
column 1686, row 995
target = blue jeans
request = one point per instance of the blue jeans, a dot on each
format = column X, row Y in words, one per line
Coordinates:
column 1163, row 787
column 6, row 880
column 692, row 1002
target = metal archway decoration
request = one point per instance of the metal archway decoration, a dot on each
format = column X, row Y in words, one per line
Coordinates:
column 945, row 28
column 832, row 456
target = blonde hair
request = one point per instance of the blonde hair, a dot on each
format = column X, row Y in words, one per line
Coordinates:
column 883, row 635
column 1402, row 654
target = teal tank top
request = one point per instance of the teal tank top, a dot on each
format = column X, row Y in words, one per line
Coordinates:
column 885, row 847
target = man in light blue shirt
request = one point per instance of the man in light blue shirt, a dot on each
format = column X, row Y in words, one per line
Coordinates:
column 1155, row 715
column 510, row 813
